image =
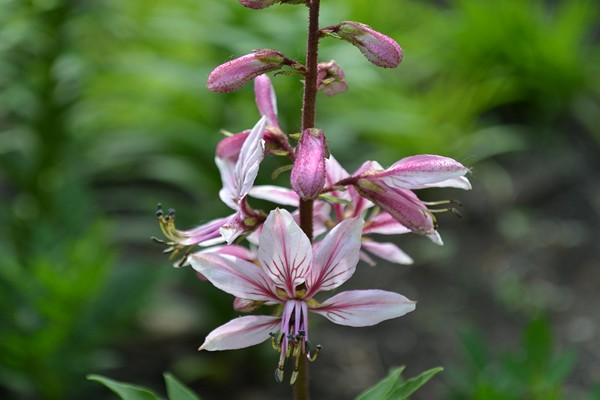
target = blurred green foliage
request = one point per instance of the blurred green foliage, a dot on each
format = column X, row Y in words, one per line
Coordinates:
column 532, row 372
column 103, row 113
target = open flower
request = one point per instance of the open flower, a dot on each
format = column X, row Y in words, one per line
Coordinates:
column 391, row 189
column 238, row 170
column 346, row 204
column 291, row 272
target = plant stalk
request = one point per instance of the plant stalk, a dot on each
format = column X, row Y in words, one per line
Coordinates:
column 309, row 102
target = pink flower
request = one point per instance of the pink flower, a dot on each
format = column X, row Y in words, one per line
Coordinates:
column 378, row 48
column 308, row 172
column 391, row 189
column 236, row 73
column 291, row 272
column 238, row 169
column 346, row 204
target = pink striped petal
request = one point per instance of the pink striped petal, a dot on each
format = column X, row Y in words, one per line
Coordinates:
column 384, row 224
column 235, row 276
column 284, row 251
column 265, row 99
column 422, row 171
column 336, row 256
column 241, row 332
column 364, row 307
column 387, row 251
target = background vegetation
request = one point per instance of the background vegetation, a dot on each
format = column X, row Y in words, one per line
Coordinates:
column 103, row 114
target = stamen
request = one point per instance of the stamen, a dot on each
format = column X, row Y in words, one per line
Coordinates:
column 450, row 209
column 443, row 202
column 295, row 372
column 279, row 372
column 312, row 357
column 276, row 343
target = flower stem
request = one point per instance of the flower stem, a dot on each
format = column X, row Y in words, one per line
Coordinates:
column 309, row 102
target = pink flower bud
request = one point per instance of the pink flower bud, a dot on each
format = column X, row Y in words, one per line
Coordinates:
column 258, row 4
column 236, row 73
column 330, row 78
column 402, row 204
column 308, row 174
column 378, row 48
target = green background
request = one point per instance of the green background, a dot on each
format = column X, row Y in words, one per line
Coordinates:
column 104, row 114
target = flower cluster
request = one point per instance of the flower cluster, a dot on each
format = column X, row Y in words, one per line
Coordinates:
column 283, row 267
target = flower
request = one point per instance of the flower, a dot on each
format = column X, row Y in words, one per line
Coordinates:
column 308, row 172
column 238, row 167
column 378, row 48
column 391, row 189
column 346, row 204
column 290, row 273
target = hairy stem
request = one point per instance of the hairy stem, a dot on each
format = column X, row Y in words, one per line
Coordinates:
column 309, row 101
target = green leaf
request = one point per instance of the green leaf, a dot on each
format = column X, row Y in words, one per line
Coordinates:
column 405, row 389
column 383, row 387
column 125, row 390
column 538, row 343
column 393, row 387
column 177, row 390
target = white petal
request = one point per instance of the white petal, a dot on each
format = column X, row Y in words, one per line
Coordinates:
column 336, row 256
column 235, row 276
column 241, row 332
column 364, row 307
column 228, row 194
column 436, row 238
column 251, row 154
column 387, row 251
column 460, row 183
column 275, row 194
column 284, row 251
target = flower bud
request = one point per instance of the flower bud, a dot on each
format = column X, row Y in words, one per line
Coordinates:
column 258, row 4
column 308, row 173
column 330, row 78
column 236, row 73
column 378, row 48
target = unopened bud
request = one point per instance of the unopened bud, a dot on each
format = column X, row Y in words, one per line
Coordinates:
column 378, row 48
column 308, row 173
column 236, row 73
column 330, row 78
column 259, row 4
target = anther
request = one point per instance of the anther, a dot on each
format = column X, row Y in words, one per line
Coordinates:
column 279, row 374
column 312, row 357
